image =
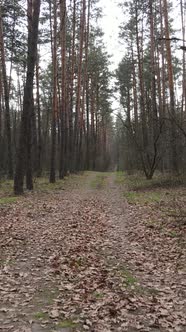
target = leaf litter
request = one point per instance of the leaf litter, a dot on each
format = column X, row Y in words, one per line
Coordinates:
column 82, row 259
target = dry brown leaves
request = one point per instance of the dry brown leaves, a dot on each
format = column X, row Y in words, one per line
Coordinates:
column 85, row 260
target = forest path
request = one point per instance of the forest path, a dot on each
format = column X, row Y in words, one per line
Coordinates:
column 77, row 260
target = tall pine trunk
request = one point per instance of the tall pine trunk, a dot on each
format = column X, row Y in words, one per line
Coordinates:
column 39, row 146
column 171, row 89
column 63, row 111
column 6, row 98
column 54, row 101
column 79, row 85
column 24, row 137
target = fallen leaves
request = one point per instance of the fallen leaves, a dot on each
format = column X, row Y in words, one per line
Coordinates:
column 54, row 313
column 89, row 261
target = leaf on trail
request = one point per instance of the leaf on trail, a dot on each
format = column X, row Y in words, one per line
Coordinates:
column 54, row 313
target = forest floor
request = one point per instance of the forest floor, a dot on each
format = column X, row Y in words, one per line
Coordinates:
column 95, row 252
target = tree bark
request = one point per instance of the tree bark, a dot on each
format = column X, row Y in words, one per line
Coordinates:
column 6, row 97
column 24, row 139
column 39, row 145
column 54, row 102
column 79, row 84
column 171, row 89
column 63, row 113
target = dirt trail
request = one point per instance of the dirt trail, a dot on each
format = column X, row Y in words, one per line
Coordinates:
column 76, row 260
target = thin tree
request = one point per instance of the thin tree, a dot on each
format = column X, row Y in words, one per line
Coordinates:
column 171, row 88
column 54, row 103
column 63, row 113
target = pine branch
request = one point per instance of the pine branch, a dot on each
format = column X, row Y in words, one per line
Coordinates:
column 172, row 39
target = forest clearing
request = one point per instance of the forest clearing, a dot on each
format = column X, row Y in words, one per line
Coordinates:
column 94, row 252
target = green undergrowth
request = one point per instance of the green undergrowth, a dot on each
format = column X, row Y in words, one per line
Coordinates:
column 134, row 197
column 7, row 196
column 8, row 200
column 120, row 177
column 6, row 188
column 43, row 185
column 138, row 182
column 139, row 190
column 6, row 193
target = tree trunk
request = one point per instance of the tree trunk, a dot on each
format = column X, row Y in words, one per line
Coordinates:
column 63, row 113
column 79, row 84
column 71, row 132
column 171, row 89
column 39, row 146
column 23, row 148
column 7, row 106
column 54, row 103
column 87, row 88
column 141, row 85
column 183, row 23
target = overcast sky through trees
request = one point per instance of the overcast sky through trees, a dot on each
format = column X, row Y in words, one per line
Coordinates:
column 111, row 20
column 110, row 23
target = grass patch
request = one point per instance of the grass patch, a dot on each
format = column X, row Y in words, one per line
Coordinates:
column 98, row 295
column 99, row 181
column 41, row 315
column 134, row 197
column 6, row 186
column 8, row 200
column 173, row 234
column 120, row 177
column 128, row 279
column 66, row 324
column 140, row 183
column 6, row 192
column 43, row 185
column 2, row 262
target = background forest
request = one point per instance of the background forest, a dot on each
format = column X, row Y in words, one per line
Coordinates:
column 55, row 108
column 56, row 89
column 152, row 82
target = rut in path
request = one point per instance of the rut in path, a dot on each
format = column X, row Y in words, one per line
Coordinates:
column 77, row 260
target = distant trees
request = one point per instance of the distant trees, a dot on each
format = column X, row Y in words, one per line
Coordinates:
column 55, row 95
column 55, row 109
column 149, row 76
